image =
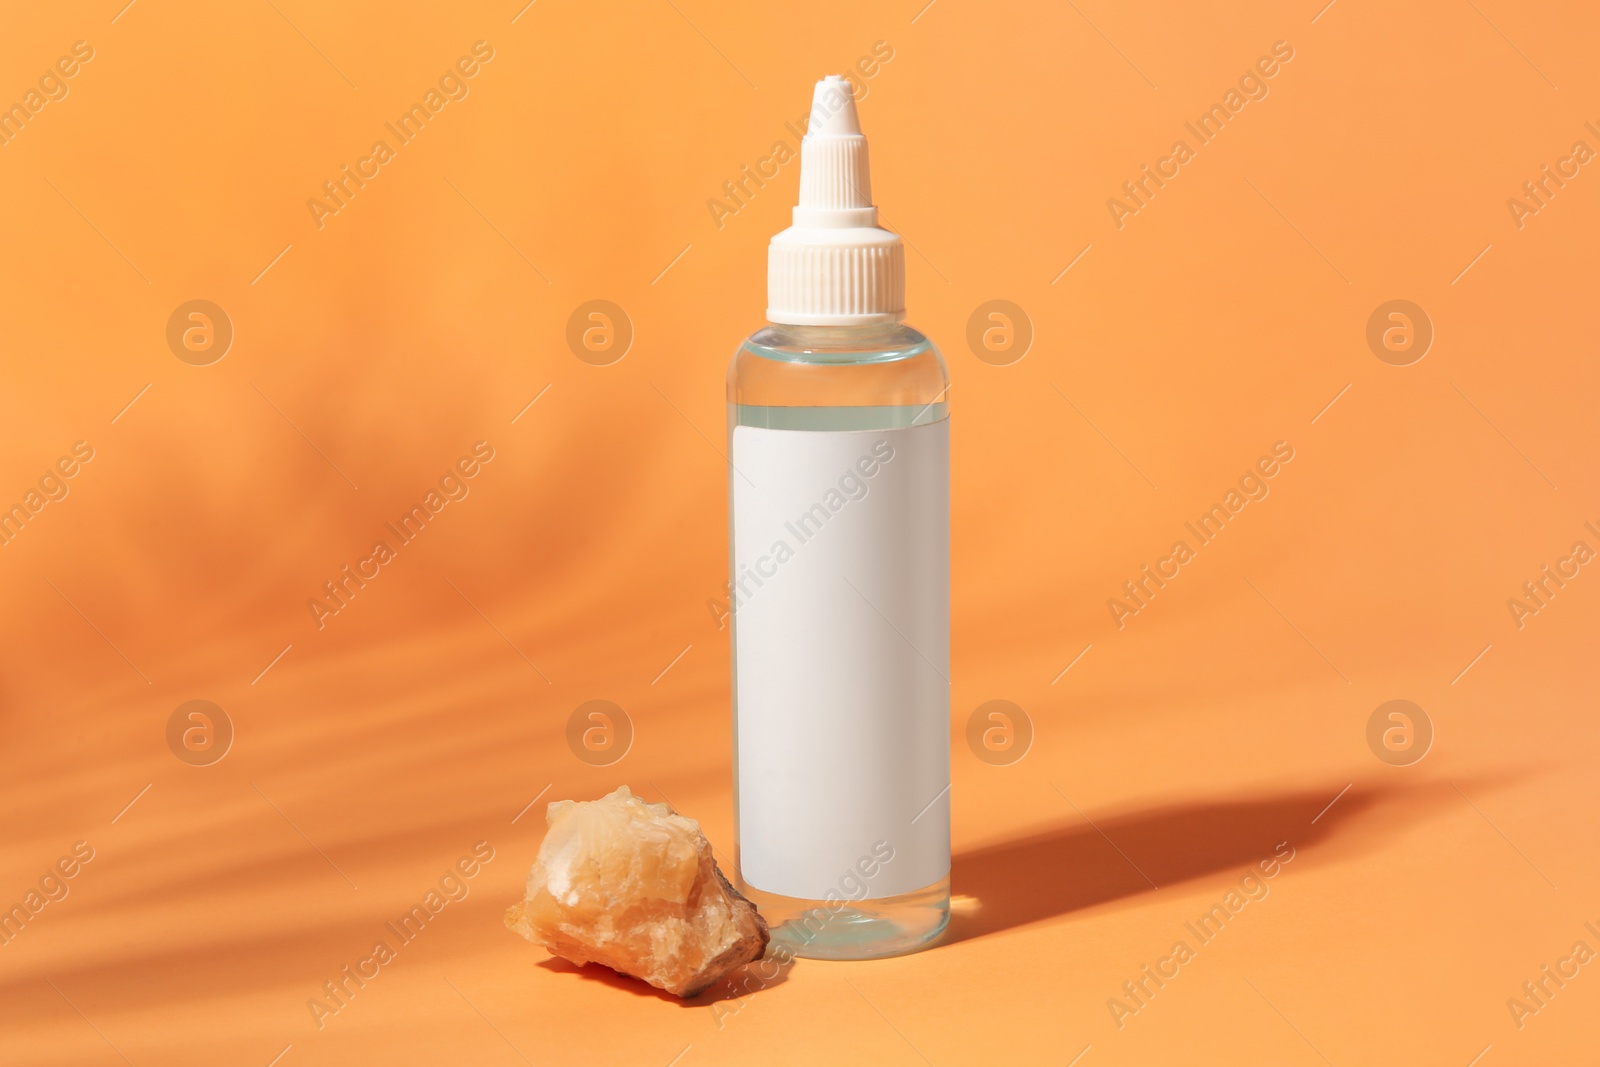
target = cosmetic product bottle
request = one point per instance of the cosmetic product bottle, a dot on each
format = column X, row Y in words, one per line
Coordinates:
column 839, row 507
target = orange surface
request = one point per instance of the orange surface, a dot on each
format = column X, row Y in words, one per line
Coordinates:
column 371, row 352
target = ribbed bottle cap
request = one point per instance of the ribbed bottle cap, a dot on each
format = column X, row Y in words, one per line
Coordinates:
column 835, row 266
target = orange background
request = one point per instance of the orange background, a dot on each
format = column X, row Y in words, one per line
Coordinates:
column 425, row 315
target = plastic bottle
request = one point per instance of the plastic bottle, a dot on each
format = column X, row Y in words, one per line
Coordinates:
column 840, row 577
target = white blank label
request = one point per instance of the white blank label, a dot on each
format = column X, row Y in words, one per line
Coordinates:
column 841, row 546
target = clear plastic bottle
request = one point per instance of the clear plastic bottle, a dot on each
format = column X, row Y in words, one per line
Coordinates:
column 824, row 740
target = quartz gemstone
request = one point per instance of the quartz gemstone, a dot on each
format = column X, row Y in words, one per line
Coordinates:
column 634, row 886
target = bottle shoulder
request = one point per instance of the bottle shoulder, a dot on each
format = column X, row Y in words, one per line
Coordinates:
column 883, row 365
column 878, row 343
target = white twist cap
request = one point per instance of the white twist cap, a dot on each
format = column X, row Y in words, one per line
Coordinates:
column 835, row 266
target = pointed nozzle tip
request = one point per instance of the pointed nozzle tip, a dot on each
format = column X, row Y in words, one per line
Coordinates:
column 833, row 109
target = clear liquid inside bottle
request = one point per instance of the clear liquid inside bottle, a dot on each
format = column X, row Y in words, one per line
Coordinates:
column 824, row 378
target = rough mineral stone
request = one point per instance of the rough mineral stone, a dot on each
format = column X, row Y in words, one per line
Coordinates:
column 634, row 886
